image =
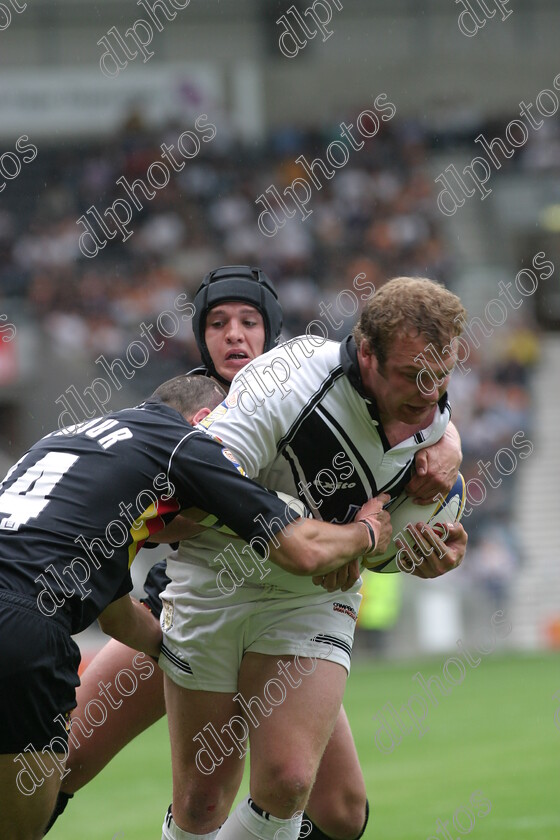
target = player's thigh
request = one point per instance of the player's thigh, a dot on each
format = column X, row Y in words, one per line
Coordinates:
column 26, row 806
column 204, row 757
column 129, row 686
column 290, row 735
column 338, row 797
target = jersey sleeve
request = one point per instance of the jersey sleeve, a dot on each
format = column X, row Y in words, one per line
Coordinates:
column 206, row 475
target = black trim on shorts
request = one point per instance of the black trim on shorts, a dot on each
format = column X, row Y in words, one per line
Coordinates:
column 332, row 640
column 174, row 659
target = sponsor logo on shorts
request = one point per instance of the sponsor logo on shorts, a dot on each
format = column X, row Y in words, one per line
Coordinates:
column 344, row 608
column 167, row 615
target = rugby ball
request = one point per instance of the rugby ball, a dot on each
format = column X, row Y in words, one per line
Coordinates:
column 403, row 511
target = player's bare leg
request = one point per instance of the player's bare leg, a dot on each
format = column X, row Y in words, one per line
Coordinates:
column 337, row 803
column 127, row 716
column 26, row 803
column 202, row 798
column 287, row 744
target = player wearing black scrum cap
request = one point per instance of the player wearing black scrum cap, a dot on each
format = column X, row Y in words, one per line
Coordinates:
column 228, row 334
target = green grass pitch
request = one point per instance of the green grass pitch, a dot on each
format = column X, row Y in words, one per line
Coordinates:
column 496, row 733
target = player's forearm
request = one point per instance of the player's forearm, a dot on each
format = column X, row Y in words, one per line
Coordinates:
column 127, row 621
column 309, row 547
column 144, row 633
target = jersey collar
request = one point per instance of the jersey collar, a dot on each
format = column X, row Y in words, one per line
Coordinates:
column 155, row 404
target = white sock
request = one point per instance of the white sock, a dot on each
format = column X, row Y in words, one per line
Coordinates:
column 245, row 822
column 171, row 831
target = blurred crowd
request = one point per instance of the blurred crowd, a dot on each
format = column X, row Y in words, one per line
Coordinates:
column 376, row 217
column 492, row 406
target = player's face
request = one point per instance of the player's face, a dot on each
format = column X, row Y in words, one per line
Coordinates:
column 234, row 335
column 406, row 389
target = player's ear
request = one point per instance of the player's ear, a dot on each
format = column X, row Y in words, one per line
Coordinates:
column 366, row 355
column 200, row 415
column 365, row 349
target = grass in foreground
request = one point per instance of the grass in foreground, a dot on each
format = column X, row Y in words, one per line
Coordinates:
column 489, row 755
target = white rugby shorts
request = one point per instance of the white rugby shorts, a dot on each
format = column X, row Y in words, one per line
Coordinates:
column 206, row 633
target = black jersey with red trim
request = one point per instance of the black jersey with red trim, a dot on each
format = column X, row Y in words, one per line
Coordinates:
column 78, row 506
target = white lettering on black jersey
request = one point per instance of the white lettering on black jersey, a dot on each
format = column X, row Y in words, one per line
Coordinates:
column 75, row 509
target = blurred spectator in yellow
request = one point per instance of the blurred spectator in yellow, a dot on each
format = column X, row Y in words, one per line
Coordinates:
column 379, row 610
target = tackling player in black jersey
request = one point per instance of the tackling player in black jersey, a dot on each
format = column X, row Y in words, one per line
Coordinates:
column 74, row 511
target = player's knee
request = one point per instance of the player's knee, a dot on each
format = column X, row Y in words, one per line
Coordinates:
column 287, row 783
column 14, row 833
column 343, row 817
column 201, row 800
column 195, row 807
column 347, row 824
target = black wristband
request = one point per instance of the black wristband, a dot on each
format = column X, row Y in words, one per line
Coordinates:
column 371, row 534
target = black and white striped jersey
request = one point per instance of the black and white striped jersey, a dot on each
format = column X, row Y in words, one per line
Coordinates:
column 298, row 420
